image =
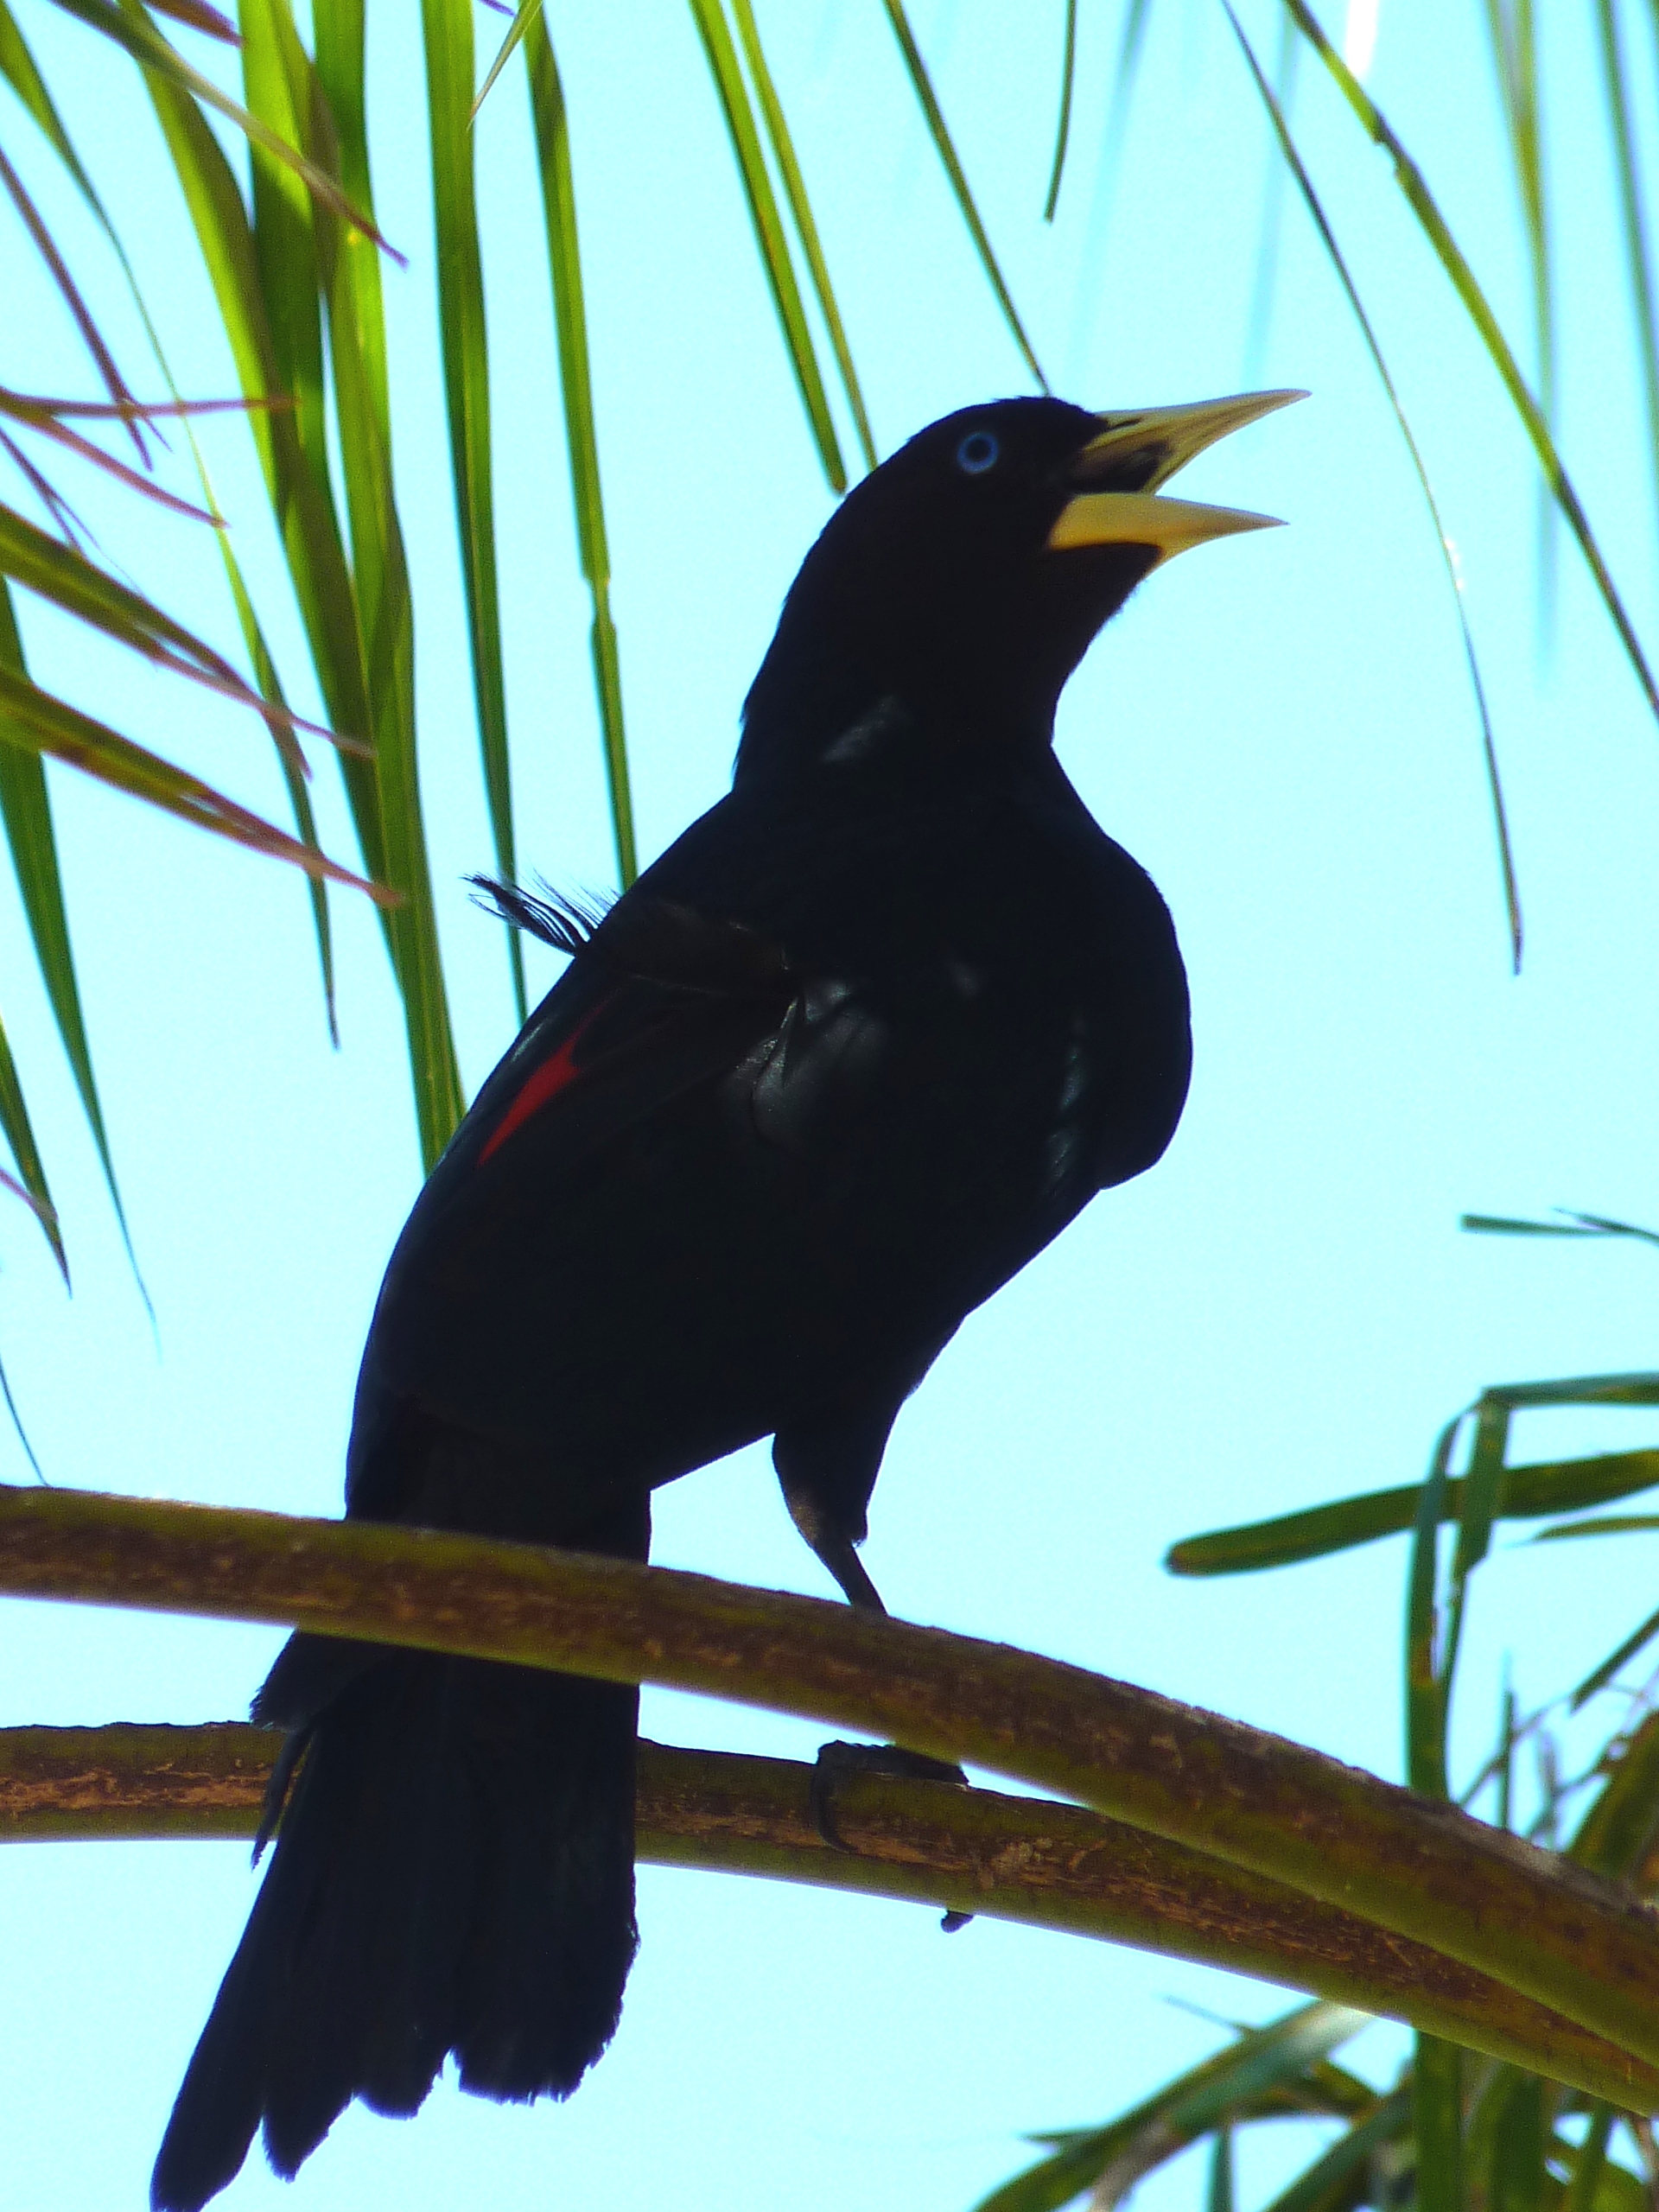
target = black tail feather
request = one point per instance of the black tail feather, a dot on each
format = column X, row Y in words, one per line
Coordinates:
column 454, row 1872
column 541, row 1984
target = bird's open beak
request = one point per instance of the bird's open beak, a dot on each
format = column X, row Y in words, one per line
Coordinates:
column 1118, row 471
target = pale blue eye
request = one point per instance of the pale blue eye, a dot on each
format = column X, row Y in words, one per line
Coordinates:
column 978, row 451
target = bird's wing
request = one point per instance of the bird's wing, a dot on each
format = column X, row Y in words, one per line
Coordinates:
column 550, row 1293
column 659, row 999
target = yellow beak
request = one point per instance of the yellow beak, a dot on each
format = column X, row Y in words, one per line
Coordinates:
column 1118, row 472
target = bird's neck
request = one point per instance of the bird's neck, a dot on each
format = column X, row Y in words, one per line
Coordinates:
column 822, row 711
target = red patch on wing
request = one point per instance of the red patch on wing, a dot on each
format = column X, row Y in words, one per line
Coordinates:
column 554, row 1075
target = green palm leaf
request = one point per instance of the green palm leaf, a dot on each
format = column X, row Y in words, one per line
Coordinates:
column 739, row 111
column 447, row 26
column 934, row 115
column 581, row 432
column 1411, row 183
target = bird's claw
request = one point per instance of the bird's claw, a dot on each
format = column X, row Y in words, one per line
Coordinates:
column 838, row 1761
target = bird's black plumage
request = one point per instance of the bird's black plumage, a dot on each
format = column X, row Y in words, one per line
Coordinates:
column 863, row 1041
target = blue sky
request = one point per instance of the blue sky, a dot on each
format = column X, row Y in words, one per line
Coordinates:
column 1280, row 727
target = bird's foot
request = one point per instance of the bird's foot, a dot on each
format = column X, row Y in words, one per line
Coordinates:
column 839, row 1762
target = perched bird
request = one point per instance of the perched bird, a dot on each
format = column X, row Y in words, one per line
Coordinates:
column 858, row 1045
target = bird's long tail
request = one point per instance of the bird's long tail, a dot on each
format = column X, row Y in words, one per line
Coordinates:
column 454, row 1872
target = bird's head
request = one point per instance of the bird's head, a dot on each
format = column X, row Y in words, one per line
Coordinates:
column 955, row 589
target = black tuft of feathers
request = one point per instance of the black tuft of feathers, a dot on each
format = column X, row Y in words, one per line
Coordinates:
column 568, row 924
column 652, row 940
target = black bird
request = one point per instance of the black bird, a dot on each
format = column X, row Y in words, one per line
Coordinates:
column 857, row 1046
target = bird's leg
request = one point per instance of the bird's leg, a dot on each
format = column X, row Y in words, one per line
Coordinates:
column 838, row 1760
column 834, row 1547
column 835, row 1544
